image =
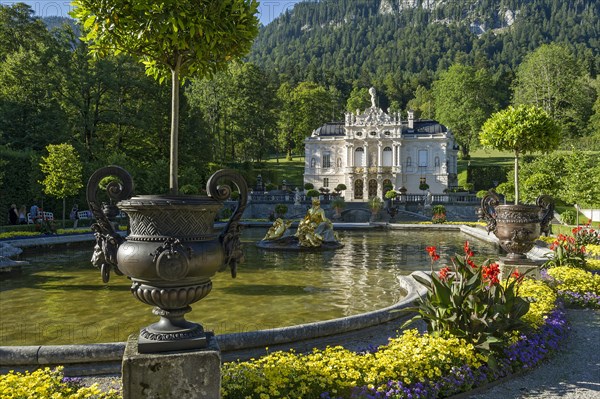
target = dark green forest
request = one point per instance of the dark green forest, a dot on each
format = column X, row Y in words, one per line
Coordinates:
column 353, row 44
column 307, row 67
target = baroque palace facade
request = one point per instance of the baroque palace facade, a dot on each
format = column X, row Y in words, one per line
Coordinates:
column 372, row 150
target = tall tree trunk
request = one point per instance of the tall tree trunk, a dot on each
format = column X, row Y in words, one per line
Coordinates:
column 516, row 177
column 173, row 183
column 64, row 207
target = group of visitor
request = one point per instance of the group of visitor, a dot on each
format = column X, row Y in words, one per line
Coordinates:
column 19, row 216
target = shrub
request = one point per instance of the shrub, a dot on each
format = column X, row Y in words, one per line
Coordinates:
column 312, row 193
column 340, row 187
column 568, row 217
column 281, row 209
column 309, row 186
column 481, row 193
column 439, row 214
column 391, row 194
column 338, row 203
column 375, row 204
column 469, row 187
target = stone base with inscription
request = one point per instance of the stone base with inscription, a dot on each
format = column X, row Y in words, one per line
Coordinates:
column 192, row 374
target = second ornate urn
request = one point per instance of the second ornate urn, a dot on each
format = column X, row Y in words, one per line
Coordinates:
column 518, row 226
column 171, row 253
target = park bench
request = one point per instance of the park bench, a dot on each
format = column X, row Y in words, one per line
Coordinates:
column 41, row 215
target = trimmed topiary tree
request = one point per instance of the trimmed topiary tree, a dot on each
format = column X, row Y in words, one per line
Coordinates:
column 524, row 129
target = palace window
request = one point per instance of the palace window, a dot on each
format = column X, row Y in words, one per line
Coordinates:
column 359, row 157
column 422, row 158
column 327, row 160
column 326, row 182
column 387, row 156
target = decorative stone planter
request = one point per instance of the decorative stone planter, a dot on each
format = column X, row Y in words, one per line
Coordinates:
column 171, row 253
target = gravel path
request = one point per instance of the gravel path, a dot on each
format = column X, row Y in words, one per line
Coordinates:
column 573, row 373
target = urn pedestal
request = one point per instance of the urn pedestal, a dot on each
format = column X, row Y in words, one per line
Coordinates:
column 171, row 253
column 517, row 226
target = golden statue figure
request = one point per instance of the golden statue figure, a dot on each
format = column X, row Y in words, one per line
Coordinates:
column 278, row 229
column 315, row 227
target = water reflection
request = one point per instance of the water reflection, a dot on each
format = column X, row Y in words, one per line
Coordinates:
column 60, row 299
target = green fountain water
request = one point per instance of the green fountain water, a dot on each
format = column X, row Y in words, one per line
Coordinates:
column 60, row 298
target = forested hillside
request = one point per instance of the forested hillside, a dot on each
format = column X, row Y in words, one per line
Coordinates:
column 398, row 44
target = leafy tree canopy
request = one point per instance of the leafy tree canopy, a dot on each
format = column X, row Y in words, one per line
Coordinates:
column 522, row 130
column 193, row 37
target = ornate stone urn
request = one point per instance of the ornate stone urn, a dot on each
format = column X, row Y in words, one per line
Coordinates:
column 171, row 252
column 517, row 226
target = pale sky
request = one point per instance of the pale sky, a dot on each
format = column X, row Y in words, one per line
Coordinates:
column 268, row 9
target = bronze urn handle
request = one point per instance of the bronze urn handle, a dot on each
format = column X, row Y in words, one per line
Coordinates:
column 108, row 239
column 230, row 237
column 488, row 212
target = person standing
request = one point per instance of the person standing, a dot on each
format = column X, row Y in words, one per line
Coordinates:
column 13, row 214
column 23, row 215
column 33, row 213
column 75, row 215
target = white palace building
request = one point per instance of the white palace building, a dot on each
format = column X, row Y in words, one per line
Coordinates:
column 374, row 149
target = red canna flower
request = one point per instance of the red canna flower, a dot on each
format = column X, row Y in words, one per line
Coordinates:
column 443, row 273
column 490, row 273
column 432, row 254
column 471, row 263
column 467, row 249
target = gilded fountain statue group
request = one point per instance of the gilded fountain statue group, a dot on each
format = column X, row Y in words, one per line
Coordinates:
column 315, row 232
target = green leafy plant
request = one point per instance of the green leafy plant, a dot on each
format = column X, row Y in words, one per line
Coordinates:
column 391, row 194
column 270, row 187
column 469, row 301
column 375, row 204
column 569, row 216
column 63, row 173
column 340, row 187
column 312, row 193
column 309, row 186
column 281, row 209
column 522, row 130
column 175, row 40
column 439, row 214
column 423, row 186
column 338, row 204
column 566, row 252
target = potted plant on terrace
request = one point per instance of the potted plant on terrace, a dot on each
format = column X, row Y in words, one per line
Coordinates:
column 524, row 129
column 173, row 249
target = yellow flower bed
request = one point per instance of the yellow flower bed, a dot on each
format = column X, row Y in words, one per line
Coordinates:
column 592, row 264
column 409, row 358
column 46, row 384
column 576, row 280
column 542, row 299
column 592, row 250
